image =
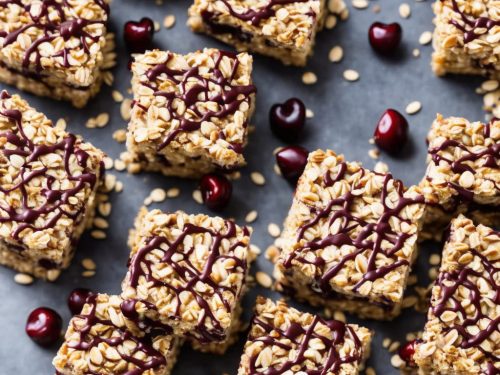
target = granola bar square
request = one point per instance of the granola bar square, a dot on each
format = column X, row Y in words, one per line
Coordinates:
column 350, row 237
column 467, row 37
column 283, row 340
column 463, row 172
column 48, row 189
column 55, row 48
column 187, row 272
column 191, row 112
column 462, row 334
column 285, row 30
column 101, row 340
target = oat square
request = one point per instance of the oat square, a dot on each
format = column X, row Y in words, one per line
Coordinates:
column 283, row 340
column 467, row 37
column 191, row 112
column 462, row 334
column 101, row 340
column 48, row 189
column 55, row 48
column 350, row 237
column 463, row 171
column 285, row 30
column 187, row 272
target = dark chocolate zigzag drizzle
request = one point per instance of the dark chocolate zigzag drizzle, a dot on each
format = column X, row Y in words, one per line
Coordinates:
column 490, row 154
column 448, row 302
column 300, row 338
column 471, row 24
column 26, row 215
column 229, row 99
column 66, row 28
column 339, row 208
column 189, row 275
column 142, row 345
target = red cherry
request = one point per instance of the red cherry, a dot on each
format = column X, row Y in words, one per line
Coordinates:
column 287, row 119
column 385, row 38
column 139, row 35
column 407, row 351
column 391, row 132
column 44, row 326
column 216, row 191
column 77, row 298
column 292, row 160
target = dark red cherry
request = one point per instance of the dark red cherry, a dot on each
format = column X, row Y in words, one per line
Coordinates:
column 391, row 132
column 407, row 351
column 288, row 119
column 385, row 38
column 77, row 298
column 138, row 35
column 44, row 326
column 292, row 160
column 216, row 191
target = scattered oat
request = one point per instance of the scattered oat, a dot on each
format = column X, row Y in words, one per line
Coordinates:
column 158, row 195
column 23, row 279
column 251, row 216
column 336, row 54
column 371, row 141
column 490, row 85
column 374, row 153
column 61, row 124
column 104, row 208
column 414, row 107
column 433, row 273
column 277, row 169
column 340, row 316
column 157, row 26
column 416, row 52
column 309, row 113
column 258, row 178
column 125, row 109
column 360, row 4
column 119, row 186
column 409, row 301
column 117, row 96
column 264, row 279
column 120, row 165
column 370, row 371
column 381, row 167
column 331, row 21
column 169, row 21
column 274, row 230
column 351, row 75
column 197, row 196
column 100, row 223
column 98, row 234
column 394, row 346
column 255, row 250
column 434, row 259
column 272, row 253
column 88, row 273
column 386, row 342
column 376, row 8
column 425, row 38
column 88, row 264
column 120, row 135
column 173, row 192
column 396, row 361
column 108, row 163
column 102, row 120
column 309, row 78
column 404, row 10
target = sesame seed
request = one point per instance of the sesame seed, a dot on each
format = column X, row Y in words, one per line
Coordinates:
column 309, row 78
column 425, row 38
column 264, row 279
column 23, row 279
column 274, row 230
column 413, row 107
column 336, row 54
column 258, row 178
column 351, row 75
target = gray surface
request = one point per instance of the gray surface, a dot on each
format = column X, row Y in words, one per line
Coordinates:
column 345, row 114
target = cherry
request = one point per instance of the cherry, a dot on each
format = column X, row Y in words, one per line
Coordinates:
column 385, row 38
column 216, row 191
column 77, row 298
column 407, row 351
column 44, row 326
column 292, row 160
column 138, row 35
column 287, row 119
column 391, row 132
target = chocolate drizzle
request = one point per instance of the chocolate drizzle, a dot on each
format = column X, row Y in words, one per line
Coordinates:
column 53, row 208
column 299, row 341
column 65, row 27
column 340, row 208
column 449, row 283
column 88, row 341
column 490, row 156
column 188, row 276
column 228, row 99
column 470, row 24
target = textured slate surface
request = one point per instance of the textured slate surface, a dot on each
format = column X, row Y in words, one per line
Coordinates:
column 345, row 114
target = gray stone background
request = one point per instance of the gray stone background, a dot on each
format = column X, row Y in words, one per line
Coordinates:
column 345, row 116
